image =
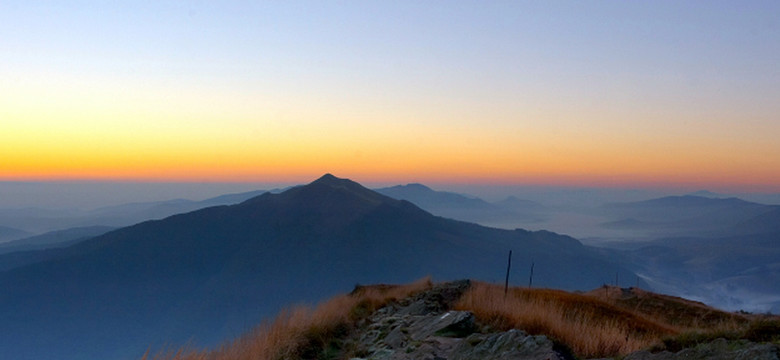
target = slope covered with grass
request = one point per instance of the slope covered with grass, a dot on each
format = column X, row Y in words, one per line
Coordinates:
column 606, row 322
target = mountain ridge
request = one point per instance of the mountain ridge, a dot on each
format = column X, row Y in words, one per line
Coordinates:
column 209, row 273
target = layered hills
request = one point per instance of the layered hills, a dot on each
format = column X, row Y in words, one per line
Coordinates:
column 210, row 274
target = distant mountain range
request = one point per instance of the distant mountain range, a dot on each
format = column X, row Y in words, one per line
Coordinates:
column 54, row 239
column 466, row 208
column 691, row 215
column 211, row 274
column 10, row 234
column 723, row 251
column 38, row 221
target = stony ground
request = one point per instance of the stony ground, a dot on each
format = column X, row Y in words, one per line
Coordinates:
column 424, row 327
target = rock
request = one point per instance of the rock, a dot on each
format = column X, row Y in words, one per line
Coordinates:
column 449, row 324
column 512, row 344
column 424, row 327
column 439, row 299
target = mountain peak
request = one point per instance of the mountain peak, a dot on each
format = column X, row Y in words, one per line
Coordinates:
column 707, row 194
column 418, row 187
column 329, row 193
column 327, row 178
column 331, row 181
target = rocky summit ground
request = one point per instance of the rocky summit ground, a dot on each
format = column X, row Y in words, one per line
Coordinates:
column 425, row 327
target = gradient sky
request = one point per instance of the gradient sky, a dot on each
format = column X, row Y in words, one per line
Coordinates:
column 574, row 93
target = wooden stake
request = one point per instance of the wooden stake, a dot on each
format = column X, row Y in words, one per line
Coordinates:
column 508, row 266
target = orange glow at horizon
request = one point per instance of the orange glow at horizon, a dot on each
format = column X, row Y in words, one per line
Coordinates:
column 94, row 132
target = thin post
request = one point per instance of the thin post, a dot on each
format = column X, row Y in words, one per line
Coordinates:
column 508, row 266
column 531, row 278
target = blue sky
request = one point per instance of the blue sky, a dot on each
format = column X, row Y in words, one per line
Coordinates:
column 575, row 93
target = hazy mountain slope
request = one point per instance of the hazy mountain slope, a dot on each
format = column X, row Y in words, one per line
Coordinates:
column 768, row 222
column 684, row 215
column 424, row 196
column 10, row 234
column 213, row 273
column 46, row 220
column 58, row 238
column 733, row 272
column 505, row 214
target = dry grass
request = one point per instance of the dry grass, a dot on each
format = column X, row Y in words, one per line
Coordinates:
column 589, row 326
column 610, row 321
column 302, row 331
column 681, row 313
column 607, row 322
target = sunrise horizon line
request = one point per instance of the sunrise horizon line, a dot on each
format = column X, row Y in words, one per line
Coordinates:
column 373, row 180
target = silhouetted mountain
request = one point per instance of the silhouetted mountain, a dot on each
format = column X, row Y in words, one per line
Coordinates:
column 629, row 223
column 47, row 220
column 685, row 215
column 690, row 201
column 211, row 274
column 60, row 238
column 708, row 194
column 768, row 222
column 229, row 199
column 426, row 197
column 460, row 207
column 10, row 234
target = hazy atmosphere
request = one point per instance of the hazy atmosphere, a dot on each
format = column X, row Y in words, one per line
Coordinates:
column 389, row 180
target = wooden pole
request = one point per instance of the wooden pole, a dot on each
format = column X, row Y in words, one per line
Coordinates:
column 531, row 278
column 508, row 266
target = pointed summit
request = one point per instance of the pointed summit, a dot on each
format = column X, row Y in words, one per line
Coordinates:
column 328, row 181
column 333, row 181
column 327, row 178
column 330, row 199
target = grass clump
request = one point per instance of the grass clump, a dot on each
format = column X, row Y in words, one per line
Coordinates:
column 589, row 326
column 613, row 322
column 764, row 330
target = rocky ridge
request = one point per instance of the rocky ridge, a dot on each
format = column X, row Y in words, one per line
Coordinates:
column 425, row 327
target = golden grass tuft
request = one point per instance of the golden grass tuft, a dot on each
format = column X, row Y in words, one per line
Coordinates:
column 606, row 322
column 679, row 312
column 302, row 331
column 589, row 326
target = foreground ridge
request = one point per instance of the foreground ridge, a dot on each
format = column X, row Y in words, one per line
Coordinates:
column 473, row 320
column 425, row 327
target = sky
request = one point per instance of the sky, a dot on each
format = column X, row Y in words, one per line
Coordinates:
column 607, row 93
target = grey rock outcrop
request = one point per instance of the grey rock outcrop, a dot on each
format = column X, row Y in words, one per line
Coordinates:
column 512, row 344
column 424, row 327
